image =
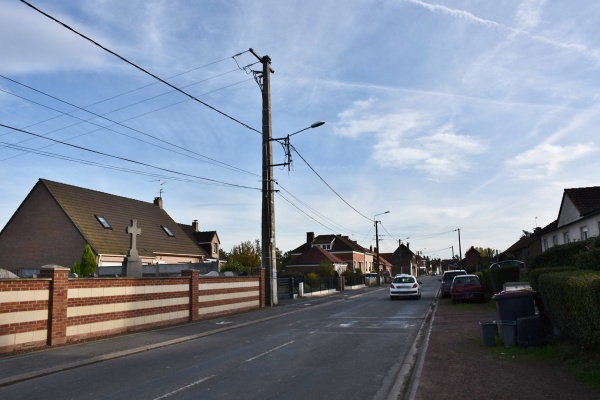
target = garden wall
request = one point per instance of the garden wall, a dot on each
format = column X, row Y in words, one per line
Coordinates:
column 54, row 309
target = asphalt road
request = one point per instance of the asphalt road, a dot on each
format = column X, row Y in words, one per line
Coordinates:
column 350, row 346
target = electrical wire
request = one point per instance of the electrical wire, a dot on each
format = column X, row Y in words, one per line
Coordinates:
column 105, row 166
column 81, row 120
column 328, row 185
column 127, row 159
column 140, row 68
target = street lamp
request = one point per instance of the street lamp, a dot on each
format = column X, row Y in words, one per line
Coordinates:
column 377, row 246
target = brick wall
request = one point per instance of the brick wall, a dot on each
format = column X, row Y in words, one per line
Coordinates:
column 55, row 310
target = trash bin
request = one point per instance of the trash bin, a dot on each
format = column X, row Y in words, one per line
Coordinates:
column 489, row 331
column 530, row 331
column 509, row 332
column 513, row 304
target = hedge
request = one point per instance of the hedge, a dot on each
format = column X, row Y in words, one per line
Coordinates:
column 572, row 301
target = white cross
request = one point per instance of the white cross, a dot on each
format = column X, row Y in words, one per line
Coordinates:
column 133, row 230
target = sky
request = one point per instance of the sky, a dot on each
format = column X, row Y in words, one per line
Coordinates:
column 466, row 120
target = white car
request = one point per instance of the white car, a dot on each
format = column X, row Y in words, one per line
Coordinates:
column 404, row 285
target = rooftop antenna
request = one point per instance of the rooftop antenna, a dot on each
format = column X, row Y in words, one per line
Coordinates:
column 161, row 183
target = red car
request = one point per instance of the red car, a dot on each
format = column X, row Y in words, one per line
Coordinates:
column 466, row 287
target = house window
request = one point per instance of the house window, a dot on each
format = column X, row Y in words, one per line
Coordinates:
column 215, row 249
column 584, row 232
column 326, row 247
column 103, row 222
column 167, row 231
column 566, row 238
column 545, row 244
column 555, row 240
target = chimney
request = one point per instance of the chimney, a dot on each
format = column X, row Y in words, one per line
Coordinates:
column 158, row 202
column 310, row 237
column 195, row 225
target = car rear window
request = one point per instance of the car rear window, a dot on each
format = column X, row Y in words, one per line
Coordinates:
column 404, row 279
column 448, row 276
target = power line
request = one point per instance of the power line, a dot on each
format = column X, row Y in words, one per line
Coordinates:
column 328, row 185
column 215, row 162
column 315, row 211
column 105, row 166
column 140, row 68
column 127, row 159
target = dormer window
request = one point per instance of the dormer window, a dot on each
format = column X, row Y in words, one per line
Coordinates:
column 326, row 247
column 103, row 222
column 167, row 231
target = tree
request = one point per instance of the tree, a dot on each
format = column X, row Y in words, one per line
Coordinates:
column 87, row 265
column 244, row 257
column 326, row 269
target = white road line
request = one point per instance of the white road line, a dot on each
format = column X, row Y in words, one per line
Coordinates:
column 164, row 396
column 269, row 351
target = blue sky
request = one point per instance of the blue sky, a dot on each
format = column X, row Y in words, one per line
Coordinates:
column 451, row 115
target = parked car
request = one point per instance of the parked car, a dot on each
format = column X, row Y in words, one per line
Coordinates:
column 508, row 263
column 404, row 285
column 467, row 288
column 447, row 280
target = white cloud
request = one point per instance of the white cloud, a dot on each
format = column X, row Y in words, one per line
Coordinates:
column 529, row 14
column 408, row 138
column 545, row 160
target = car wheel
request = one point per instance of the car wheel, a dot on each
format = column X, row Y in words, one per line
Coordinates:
column 392, row 298
column 453, row 301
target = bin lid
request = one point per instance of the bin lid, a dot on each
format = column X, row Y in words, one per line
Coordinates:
column 505, row 294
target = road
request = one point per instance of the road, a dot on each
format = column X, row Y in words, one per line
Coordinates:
column 350, row 346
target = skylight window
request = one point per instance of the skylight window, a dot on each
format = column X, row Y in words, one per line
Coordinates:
column 167, row 231
column 103, row 222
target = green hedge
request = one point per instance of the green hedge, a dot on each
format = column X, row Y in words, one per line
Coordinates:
column 499, row 276
column 584, row 254
column 572, row 301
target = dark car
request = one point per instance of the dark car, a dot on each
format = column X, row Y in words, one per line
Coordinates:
column 508, row 263
column 466, row 288
column 447, row 280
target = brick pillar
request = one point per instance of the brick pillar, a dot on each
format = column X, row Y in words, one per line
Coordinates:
column 194, row 303
column 57, row 309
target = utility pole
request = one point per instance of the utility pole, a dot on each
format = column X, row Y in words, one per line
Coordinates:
column 377, row 254
column 459, row 249
column 377, row 246
column 268, row 247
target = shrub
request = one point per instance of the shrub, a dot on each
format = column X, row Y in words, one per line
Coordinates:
column 572, row 300
column 87, row 265
column 499, row 276
column 566, row 255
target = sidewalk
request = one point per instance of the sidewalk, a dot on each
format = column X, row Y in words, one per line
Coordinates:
column 457, row 366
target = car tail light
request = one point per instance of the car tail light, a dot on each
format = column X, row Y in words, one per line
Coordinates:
column 414, row 285
column 392, row 286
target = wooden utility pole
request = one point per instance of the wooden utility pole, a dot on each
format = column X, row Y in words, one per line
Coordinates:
column 268, row 247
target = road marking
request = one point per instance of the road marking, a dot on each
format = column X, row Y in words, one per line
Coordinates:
column 164, row 396
column 224, row 322
column 269, row 351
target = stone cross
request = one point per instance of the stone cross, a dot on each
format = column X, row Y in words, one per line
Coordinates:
column 133, row 230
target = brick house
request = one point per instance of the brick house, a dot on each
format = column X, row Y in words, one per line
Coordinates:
column 207, row 240
column 348, row 251
column 400, row 259
column 55, row 221
column 311, row 260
